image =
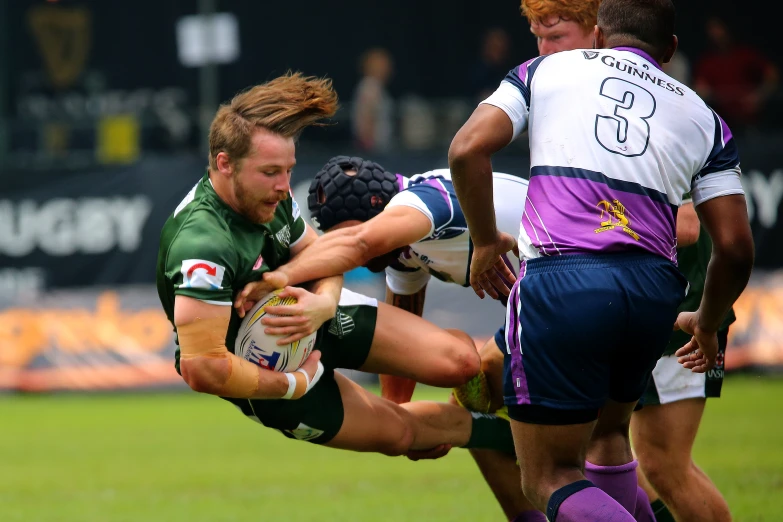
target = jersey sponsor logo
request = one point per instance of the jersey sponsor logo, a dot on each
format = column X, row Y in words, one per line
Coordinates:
column 590, row 55
column 295, row 208
column 198, row 273
column 615, row 217
column 259, row 262
column 283, row 236
column 304, row 432
column 631, row 68
column 717, row 371
column 341, row 325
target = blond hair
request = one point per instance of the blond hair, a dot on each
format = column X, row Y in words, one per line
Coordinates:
column 583, row 12
column 285, row 106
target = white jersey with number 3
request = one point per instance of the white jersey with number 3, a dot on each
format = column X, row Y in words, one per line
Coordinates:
column 614, row 144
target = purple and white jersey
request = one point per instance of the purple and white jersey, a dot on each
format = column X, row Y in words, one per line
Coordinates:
column 614, row 144
column 446, row 250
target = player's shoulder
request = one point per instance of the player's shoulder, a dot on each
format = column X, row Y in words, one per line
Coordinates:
column 197, row 225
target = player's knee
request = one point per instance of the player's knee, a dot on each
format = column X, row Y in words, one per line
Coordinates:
column 467, row 367
column 664, row 472
column 462, row 361
column 400, row 441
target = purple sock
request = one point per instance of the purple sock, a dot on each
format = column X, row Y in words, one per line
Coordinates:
column 619, row 481
column 530, row 516
column 583, row 502
column 643, row 511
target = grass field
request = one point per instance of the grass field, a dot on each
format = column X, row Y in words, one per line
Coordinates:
column 188, row 457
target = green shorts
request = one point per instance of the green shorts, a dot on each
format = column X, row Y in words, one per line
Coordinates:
column 670, row 382
column 344, row 342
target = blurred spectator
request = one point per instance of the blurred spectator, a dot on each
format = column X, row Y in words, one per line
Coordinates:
column 372, row 117
column 679, row 68
column 736, row 79
column 493, row 64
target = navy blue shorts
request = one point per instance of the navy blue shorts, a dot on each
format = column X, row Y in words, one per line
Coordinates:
column 586, row 328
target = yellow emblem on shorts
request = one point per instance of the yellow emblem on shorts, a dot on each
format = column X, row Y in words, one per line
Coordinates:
column 615, row 217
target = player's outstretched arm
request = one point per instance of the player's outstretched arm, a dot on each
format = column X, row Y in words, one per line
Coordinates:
column 208, row 367
column 726, row 220
column 339, row 251
column 487, row 131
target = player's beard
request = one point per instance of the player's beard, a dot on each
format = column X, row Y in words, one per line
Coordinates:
column 251, row 207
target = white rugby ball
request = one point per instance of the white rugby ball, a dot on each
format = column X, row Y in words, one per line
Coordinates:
column 260, row 348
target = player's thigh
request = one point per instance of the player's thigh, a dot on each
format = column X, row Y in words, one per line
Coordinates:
column 552, row 365
column 663, row 435
column 652, row 296
column 370, row 423
column 407, row 345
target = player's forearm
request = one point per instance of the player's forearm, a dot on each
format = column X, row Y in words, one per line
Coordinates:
column 231, row 376
column 330, row 287
column 727, row 276
column 413, row 303
column 471, row 173
column 330, row 255
column 208, row 367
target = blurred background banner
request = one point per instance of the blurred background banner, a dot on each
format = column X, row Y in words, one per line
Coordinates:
column 104, row 109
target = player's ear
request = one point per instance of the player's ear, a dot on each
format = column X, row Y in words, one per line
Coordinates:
column 223, row 163
column 671, row 49
column 598, row 38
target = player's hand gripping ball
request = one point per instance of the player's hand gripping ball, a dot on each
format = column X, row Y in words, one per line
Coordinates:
column 261, row 348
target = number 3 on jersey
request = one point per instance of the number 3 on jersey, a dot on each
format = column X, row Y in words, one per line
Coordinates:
column 626, row 131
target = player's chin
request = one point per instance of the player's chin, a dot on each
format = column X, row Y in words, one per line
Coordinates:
column 265, row 215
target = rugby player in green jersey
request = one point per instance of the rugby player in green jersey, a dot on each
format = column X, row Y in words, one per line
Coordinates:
column 239, row 222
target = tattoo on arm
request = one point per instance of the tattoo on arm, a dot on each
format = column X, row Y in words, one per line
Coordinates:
column 413, row 303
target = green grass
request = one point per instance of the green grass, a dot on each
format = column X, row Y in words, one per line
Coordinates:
column 187, row 457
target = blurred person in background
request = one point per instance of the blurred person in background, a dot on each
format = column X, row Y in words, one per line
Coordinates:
column 679, row 68
column 735, row 78
column 493, row 63
column 372, row 116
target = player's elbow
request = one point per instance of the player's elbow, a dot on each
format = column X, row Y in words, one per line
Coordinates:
column 737, row 251
column 205, row 374
column 466, row 145
column 688, row 235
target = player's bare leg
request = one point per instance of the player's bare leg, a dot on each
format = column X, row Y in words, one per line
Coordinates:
column 501, row 472
column 663, row 438
column 400, row 389
column 610, row 462
column 552, row 457
column 396, row 389
column 374, row 424
column 408, row 346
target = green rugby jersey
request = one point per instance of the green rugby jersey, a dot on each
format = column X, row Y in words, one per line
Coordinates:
column 209, row 252
column 692, row 261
